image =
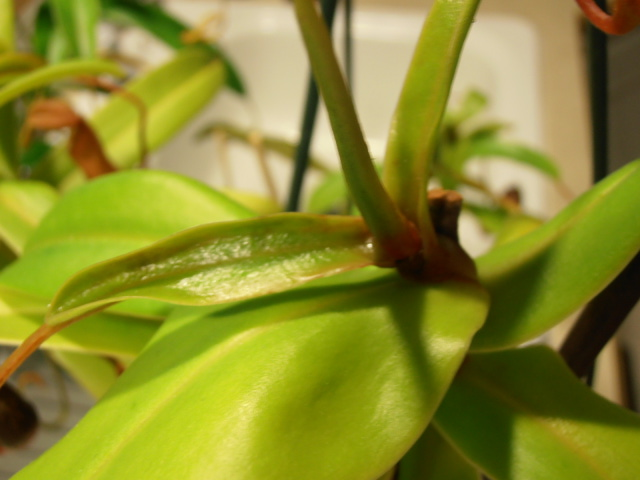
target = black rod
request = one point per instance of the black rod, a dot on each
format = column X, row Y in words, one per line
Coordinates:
column 301, row 158
column 599, row 86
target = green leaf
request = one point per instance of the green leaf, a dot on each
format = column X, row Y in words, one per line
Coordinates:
column 78, row 20
column 22, row 206
column 35, row 153
column 221, row 262
column 473, row 103
column 395, row 236
column 46, row 75
column 521, row 414
column 105, row 333
column 331, row 195
column 492, row 219
column 335, row 380
column 109, row 216
column 7, row 24
column 539, row 279
column 493, row 147
column 258, row 203
column 172, row 95
column 416, row 124
column 433, row 458
column 95, row 374
column 515, row 226
column 48, row 39
column 152, row 18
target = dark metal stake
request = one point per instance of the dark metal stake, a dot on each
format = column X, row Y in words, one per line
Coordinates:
column 301, row 159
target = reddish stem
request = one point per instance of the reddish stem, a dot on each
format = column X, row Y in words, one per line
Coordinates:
column 624, row 18
column 26, row 348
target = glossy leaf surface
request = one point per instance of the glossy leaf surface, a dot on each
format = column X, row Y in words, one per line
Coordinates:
column 433, row 458
column 335, row 380
column 222, row 262
column 172, row 94
column 521, row 414
column 22, row 206
column 111, row 216
column 539, row 279
column 52, row 73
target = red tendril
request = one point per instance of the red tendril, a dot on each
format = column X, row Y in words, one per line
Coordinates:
column 625, row 16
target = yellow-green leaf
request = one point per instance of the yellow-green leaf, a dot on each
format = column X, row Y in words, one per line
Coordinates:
column 22, row 206
column 522, row 415
column 221, row 262
column 433, row 458
column 44, row 76
column 172, row 94
column 335, row 380
column 539, row 279
column 106, row 333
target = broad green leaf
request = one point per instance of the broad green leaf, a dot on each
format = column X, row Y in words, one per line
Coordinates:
column 109, row 216
column 416, row 123
column 539, row 279
column 521, row 414
column 22, row 206
column 394, row 235
column 152, row 18
column 335, row 380
column 172, row 94
column 390, row 475
column 78, row 20
column 221, row 262
column 52, row 73
column 515, row 226
column 105, row 333
column 7, row 23
column 95, row 374
column 433, row 458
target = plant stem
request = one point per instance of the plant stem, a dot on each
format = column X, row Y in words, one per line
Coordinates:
column 416, row 123
column 26, row 348
column 395, row 237
column 601, row 318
